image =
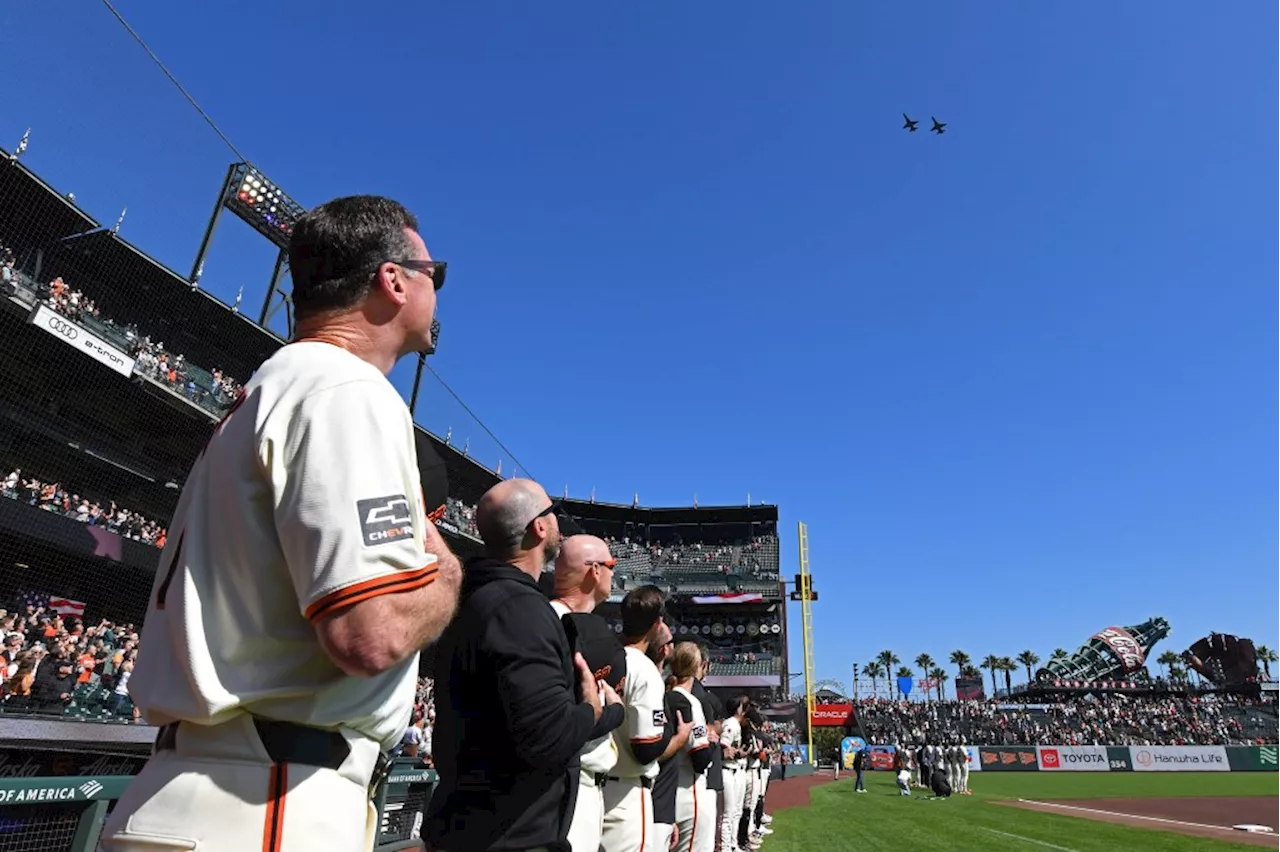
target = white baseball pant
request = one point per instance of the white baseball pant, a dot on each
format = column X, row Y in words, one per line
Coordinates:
column 660, row 840
column 695, row 813
column 735, row 788
column 708, row 818
column 763, row 787
column 964, row 777
column 588, row 816
column 217, row 789
column 628, row 816
column 953, row 777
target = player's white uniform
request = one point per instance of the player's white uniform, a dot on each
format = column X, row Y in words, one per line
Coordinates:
column 628, row 796
column 306, row 499
column 695, row 807
column 735, row 784
column 598, row 758
column 964, row 769
column 954, row 758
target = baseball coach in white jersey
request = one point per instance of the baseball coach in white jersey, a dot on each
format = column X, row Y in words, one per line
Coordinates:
column 302, row 574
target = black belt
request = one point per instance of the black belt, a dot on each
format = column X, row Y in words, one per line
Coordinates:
column 646, row 783
column 599, row 779
column 286, row 742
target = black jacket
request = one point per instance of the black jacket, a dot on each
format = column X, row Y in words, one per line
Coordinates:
column 713, row 710
column 508, row 724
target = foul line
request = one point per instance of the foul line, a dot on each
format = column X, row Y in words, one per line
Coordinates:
column 1028, row 840
column 1127, row 816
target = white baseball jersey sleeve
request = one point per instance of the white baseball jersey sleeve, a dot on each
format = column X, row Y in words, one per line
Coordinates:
column 306, row 499
column 731, row 735
column 643, row 695
column 698, row 736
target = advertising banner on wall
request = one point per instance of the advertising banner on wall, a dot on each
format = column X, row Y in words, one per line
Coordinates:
column 1179, row 759
column 1119, row 758
column 831, row 715
column 849, row 746
column 1252, row 758
column 1073, row 758
column 79, row 337
column 1008, row 759
column 975, row 759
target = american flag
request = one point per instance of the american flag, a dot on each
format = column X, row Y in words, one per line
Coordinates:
column 62, row 606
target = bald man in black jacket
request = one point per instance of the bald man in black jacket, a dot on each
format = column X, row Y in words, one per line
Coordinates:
column 514, row 704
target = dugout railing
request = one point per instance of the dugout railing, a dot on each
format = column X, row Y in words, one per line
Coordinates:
column 58, row 781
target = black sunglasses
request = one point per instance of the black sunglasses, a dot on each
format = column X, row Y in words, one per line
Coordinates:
column 550, row 510
column 433, row 269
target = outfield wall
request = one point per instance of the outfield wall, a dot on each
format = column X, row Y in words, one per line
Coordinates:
column 1055, row 758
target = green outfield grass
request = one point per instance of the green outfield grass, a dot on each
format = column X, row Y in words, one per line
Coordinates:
column 880, row 819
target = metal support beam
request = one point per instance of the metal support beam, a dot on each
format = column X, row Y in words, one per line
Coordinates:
column 417, row 382
column 273, row 289
column 213, row 222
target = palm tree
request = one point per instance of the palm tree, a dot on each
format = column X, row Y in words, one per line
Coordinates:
column 1266, row 656
column 939, row 676
column 903, row 671
column 1028, row 659
column 970, row 671
column 1058, row 654
column 874, row 671
column 992, row 664
column 1168, row 659
column 924, row 662
column 888, row 659
column 960, row 660
column 1008, row 666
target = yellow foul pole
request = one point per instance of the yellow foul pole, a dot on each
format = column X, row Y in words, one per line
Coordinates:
column 807, row 629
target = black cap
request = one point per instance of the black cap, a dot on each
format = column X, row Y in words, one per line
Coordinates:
column 598, row 645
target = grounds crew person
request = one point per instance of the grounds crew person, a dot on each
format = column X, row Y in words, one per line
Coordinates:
column 301, row 575
column 514, row 703
column 643, row 738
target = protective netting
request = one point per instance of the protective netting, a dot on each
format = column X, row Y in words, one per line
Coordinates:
column 39, row 828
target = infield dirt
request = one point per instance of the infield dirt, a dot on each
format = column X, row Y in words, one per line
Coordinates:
column 1198, row 817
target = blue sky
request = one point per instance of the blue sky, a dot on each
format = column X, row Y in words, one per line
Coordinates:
column 1019, row 380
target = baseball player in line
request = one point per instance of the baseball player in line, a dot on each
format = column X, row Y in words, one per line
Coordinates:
column 644, row 737
column 583, row 578
column 735, row 782
column 301, row 575
column 695, row 808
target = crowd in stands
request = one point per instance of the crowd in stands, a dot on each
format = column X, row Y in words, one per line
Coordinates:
column 755, row 559
column 53, row 497
column 1110, row 719
column 212, row 390
column 462, row 516
column 55, row 663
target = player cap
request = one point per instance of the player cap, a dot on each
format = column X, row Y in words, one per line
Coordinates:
column 598, row 645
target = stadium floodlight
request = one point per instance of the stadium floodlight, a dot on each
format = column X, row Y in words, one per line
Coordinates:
column 263, row 204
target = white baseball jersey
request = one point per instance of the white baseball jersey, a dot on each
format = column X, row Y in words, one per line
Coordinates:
column 306, row 499
column 600, row 754
column 731, row 735
column 643, row 692
column 698, row 738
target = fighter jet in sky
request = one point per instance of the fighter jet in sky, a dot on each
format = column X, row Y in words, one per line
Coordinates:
column 910, row 126
column 939, row 127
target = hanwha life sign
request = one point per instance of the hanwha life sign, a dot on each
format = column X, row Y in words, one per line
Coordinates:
column 80, row 338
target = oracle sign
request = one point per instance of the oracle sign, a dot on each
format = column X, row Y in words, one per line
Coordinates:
column 1124, row 646
column 831, row 715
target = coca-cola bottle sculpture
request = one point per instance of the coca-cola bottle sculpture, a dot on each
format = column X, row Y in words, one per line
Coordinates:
column 1111, row 654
